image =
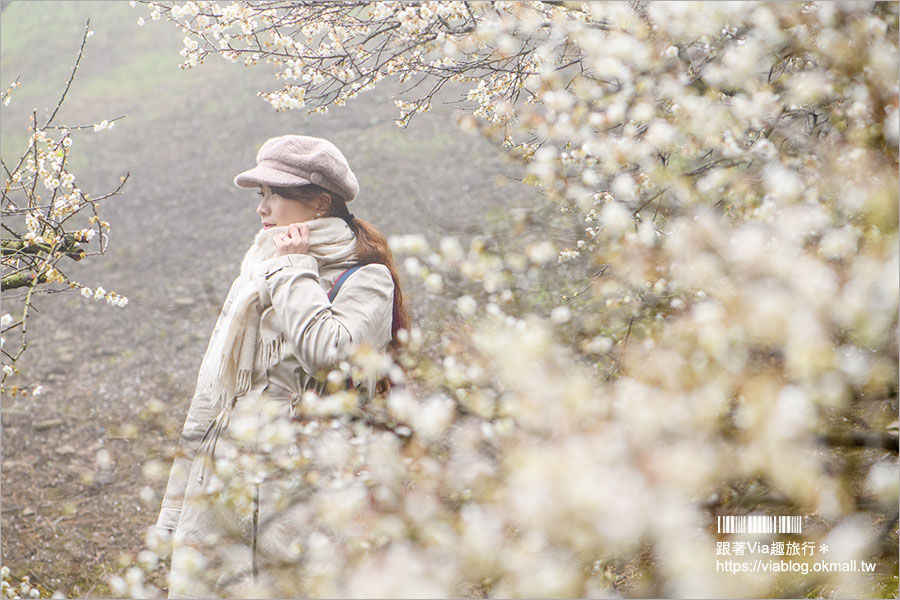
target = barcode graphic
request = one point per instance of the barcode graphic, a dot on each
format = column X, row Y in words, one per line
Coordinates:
column 760, row 524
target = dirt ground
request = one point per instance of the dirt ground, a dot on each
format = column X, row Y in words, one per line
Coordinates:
column 120, row 379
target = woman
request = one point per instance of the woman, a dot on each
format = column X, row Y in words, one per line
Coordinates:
column 286, row 323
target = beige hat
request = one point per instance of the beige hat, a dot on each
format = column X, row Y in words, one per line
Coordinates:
column 290, row 160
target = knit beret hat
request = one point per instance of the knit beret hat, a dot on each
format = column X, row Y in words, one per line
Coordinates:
column 291, row 160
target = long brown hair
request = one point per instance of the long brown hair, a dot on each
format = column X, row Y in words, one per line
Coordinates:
column 371, row 245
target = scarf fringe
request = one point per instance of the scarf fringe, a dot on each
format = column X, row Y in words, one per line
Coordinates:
column 273, row 351
column 243, row 383
column 213, row 387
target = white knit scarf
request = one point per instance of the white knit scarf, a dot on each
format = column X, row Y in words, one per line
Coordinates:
column 227, row 366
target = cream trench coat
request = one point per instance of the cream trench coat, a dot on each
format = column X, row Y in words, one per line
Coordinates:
column 318, row 333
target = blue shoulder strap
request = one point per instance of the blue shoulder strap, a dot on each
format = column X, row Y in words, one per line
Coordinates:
column 332, row 293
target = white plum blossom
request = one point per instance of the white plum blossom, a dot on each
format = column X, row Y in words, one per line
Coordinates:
column 104, row 124
column 451, row 249
column 434, row 282
column 561, row 314
column 466, row 305
column 882, row 482
column 541, row 252
column 616, row 218
column 412, row 265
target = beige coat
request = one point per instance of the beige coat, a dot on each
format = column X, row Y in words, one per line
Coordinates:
column 318, row 334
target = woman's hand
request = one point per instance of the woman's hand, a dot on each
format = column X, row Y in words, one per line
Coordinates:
column 294, row 241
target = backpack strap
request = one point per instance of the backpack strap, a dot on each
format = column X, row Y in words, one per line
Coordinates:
column 332, row 293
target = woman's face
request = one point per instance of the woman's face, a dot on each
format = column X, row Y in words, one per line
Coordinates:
column 276, row 210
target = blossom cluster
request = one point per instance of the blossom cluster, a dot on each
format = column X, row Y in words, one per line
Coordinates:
column 6, row 96
column 23, row 588
column 111, row 297
column 45, row 224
